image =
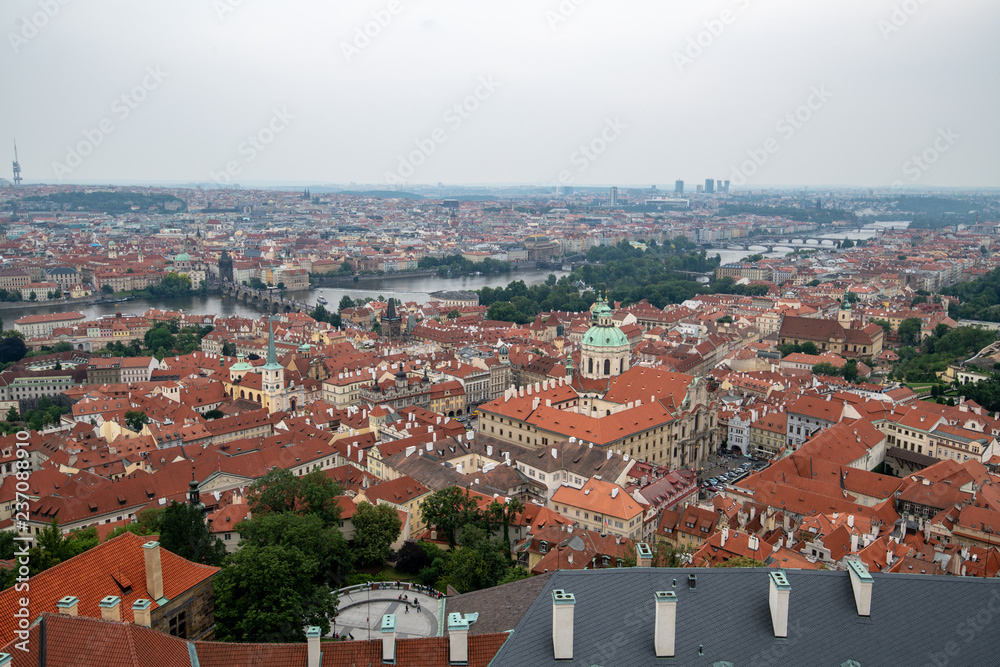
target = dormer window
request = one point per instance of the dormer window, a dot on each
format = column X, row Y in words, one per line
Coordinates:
column 543, row 547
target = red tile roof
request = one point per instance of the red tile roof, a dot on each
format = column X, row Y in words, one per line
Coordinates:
column 116, row 567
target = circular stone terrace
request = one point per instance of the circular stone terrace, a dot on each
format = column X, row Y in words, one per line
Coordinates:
column 361, row 608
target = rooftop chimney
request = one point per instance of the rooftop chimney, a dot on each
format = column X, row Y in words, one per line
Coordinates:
column 313, row 653
column 458, row 639
column 141, row 612
column 154, row 571
column 389, row 638
column 666, row 623
column 562, row 624
column 644, row 555
column 111, row 608
column 780, row 590
column 68, row 605
column 862, row 583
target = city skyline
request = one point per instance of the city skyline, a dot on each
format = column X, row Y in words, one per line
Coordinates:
column 857, row 95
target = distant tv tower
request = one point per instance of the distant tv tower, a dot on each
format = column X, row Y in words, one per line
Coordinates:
column 17, row 166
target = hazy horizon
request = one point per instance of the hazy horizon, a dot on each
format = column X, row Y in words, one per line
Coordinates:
column 523, row 94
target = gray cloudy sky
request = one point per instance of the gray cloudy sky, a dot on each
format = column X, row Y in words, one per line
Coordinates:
column 585, row 92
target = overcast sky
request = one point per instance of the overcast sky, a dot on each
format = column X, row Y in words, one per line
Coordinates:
column 652, row 90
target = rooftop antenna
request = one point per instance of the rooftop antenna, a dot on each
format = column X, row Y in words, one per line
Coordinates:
column 17, row 166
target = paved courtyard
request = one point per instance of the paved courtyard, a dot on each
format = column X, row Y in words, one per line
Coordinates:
column 356, row 615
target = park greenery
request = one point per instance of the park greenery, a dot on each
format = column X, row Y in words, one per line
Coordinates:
column 921, row 361
column 482, row 537
column 980, row 298
column 458, row 265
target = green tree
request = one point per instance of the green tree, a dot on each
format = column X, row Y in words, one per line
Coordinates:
column 504, row 514
column 281, row 491
column 850, row 371
column 909, row 330
column 147, row 522
column 454, row 313
column 307, row 533
column 12, row 415
column 376, row 527
column 136, row 419
column 449, row 509
column 107, row 289
column 480, row 562
column 825, row 368
column 228, row 349
column 12, row 348
column 214, row 414
column 184, row 532
column 269, row 594
column 809, row 347
column 813, row 283
column 725, row 319
column 159, row 337
column 885, row 324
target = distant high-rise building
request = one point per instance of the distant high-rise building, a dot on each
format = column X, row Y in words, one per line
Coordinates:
column 564, row 190
column 698, row 189
column 725, row 187
column 679, row 187
column 709, row 186
column 614, row 196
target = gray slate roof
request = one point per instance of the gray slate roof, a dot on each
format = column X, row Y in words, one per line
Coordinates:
column 913, row 618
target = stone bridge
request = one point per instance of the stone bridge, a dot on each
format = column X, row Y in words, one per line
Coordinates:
column 271, row 300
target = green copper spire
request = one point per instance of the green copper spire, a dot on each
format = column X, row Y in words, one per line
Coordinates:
column 272, row 354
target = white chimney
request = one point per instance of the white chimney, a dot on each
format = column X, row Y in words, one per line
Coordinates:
column 154, row 570
column 430, row 447
column 725, row 535
column 862, row 583
column 555, row 453
column 389, row 638
column 850, row 520
column 614, row 492
column 458, row 638
column 780, row 590
column 562, row 624
column 141, row 612
column 313, row 654
column 666, row 623
column 854, row 543
column 489, row 450
column 111, row 608
column 68, row 605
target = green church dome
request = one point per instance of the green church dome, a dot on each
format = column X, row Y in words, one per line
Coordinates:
column 598, row 336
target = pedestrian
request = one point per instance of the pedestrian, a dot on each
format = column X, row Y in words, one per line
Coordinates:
column 407, row 609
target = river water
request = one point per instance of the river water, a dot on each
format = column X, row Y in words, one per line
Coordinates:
column 406, row 288
column 412, row 288
column 827, row 241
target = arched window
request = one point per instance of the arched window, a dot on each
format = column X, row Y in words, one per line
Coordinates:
column 590, row 365
column 242, row 394
column 607, row 367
